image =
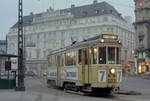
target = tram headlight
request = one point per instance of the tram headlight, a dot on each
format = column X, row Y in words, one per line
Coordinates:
column 112, row 71
column 102, row 40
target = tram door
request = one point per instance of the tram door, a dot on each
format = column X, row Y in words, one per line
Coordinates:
column 58, row 58
column 85, row 66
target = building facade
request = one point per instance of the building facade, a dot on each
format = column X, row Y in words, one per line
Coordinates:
column 3, row 50
column 142, row 26
column 55, row 29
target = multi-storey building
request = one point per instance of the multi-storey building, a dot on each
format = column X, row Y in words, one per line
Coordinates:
column 142, row 27
column 3, row 50
column 55, row 29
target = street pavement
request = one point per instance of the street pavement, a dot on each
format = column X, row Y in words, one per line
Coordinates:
column 137, row 84
column 36, row 90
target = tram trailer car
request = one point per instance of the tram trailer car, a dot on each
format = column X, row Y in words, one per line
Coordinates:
column 92, row 65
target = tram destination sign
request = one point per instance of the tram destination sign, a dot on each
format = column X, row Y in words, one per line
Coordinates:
column 114, row 37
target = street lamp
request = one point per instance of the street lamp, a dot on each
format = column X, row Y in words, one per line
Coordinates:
column 20, row 86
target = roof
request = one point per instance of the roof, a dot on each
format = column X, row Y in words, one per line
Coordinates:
column 79, row 12
column 93, row 10
column 27, row 20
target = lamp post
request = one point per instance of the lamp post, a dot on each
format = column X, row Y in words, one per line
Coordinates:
column 20, row 85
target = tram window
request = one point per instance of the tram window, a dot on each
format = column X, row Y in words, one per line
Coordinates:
column 111, row 55
column 49, row 61
column 62, row 59
column 52, row 61
column 85, row 56
column 90, row 56
column 102, row 55
column 58, row 61
column 70, row 58
column 80, row 56
column 94, row 55
column 118, row 56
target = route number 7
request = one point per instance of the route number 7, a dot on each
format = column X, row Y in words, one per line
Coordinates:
column 102, row 76
column 119, row 76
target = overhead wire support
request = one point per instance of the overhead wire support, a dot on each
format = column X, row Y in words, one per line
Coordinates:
column 20, row 84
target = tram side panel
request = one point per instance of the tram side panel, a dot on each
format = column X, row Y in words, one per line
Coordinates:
column 65, row 74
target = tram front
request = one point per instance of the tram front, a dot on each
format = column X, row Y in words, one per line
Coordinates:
column 106, row 68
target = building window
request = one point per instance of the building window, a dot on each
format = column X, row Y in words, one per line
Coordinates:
column 112, row 30
column 82, row 21
column 105, row 19
column 92, row 20
column 85, row 13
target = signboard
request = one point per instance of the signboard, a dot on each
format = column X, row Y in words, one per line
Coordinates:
column 142, row 55
column 52, row 73
column 69, row 73
column 14, row 63
column 114, row 37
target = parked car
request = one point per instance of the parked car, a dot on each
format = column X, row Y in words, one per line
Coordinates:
column 44, row 74
column 30, row 73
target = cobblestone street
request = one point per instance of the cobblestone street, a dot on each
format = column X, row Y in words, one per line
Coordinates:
column 36, row 90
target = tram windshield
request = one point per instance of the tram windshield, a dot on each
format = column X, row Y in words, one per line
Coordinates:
column 102, row 55
column 111, row 55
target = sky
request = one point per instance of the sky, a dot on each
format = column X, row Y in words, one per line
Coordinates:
column 9, row 9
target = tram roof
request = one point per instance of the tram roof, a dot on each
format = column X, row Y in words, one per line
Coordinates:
column 90, row 41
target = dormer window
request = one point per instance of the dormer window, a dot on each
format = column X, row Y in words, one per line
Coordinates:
column 97, row 11
column 103, row 10
column 85, row 13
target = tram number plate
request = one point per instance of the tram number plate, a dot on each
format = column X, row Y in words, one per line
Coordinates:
column 102, row 75
column 111, row 80
column 119, row 76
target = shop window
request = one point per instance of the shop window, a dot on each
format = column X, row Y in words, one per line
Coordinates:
column 102, row 55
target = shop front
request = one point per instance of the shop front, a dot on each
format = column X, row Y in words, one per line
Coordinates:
column 143, row 66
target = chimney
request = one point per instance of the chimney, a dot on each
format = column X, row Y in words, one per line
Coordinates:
column 31, row 13
column 72, row 6
column 95, row 2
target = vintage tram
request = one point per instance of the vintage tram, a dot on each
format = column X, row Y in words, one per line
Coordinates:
column 92, row 65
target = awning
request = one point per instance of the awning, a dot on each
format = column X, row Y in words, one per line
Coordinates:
column 8, row 55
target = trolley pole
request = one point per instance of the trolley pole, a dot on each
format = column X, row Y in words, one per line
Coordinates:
column 20, row 83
